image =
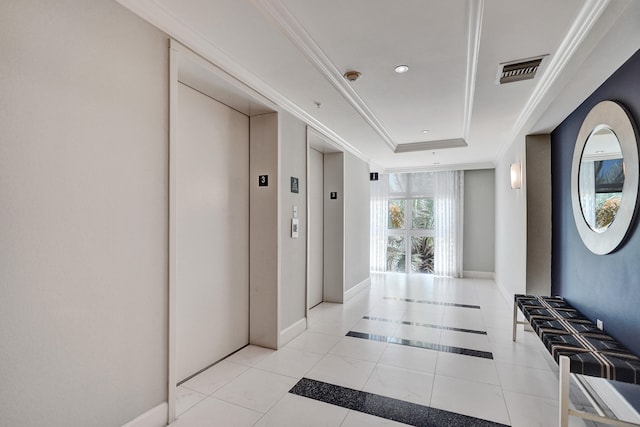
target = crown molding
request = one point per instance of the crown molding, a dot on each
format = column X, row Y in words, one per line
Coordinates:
column 587, row 17
column 430, row 145
column 437, row 168
column 582, row 25
column 166, row 21
column 476, row 12
column 292, row 28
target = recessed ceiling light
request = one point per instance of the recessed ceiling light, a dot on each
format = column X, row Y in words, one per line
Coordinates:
column 401, row 69
column 425, row 130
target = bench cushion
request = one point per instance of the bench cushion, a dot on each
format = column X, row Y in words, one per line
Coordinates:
column 566, row 332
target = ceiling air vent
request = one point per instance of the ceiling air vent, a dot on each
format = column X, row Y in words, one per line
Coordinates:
column 515, row 71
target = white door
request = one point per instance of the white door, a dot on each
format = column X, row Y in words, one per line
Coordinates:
column 316, row 226
column 212, row 231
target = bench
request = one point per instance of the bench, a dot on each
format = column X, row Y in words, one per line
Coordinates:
column 578, row 347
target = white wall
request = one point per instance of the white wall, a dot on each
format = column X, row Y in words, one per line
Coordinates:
column 479, row 221
column 264, row 267
column 357, row 233
column 278, row 275
column 346, row 224
column 538, row 155
column 212, row 231
column 83, row 218
column 293, row 277
column 511, row 224
column 334, row 227
column 315, row 194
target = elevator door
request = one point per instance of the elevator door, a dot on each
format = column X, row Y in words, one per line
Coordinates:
column 212, row 231
column 316, row 226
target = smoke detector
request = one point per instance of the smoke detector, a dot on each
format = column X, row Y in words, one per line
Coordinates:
column 352, row 76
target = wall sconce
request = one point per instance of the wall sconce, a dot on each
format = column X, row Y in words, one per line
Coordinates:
column 516, row 175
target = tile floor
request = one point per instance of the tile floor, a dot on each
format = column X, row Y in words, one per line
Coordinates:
column 518, row 386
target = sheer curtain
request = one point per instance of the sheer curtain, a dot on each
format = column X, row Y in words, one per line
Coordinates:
column 379, row 201
column 587, row 191
column 449, row 223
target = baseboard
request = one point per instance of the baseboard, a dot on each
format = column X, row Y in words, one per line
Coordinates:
column 357, row 288
column 613, row 399
column 479, row 275
column 507, row 295
column 292, row 331
column 154, row 417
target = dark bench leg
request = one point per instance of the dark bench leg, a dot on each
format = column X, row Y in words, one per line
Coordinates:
column 515, row 319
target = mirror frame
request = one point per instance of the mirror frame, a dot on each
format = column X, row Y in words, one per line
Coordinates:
column 614, row 116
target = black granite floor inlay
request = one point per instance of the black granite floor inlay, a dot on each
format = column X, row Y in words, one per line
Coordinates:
column 449, row 304
column 384, row 407
column 425, row 325
column 422, row 344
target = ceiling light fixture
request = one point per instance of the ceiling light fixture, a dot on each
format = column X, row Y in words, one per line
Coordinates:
column 352, row 76
column 401, row 69
column 425, row 131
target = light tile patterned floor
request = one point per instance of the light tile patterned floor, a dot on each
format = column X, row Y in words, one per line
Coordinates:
column 517, row 387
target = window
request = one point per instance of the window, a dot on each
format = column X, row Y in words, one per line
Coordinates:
column 417, row 223
column 411, row 225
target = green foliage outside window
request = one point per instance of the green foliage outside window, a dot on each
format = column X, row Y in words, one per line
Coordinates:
column 606, row 209
column 396, row 254
column 423, row 214
column 422, row 254
column 396, row 214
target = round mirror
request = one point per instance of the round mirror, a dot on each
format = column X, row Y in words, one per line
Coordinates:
column 601, row 178
column 604, row 177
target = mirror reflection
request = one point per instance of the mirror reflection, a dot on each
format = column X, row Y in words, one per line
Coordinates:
column 601, row 178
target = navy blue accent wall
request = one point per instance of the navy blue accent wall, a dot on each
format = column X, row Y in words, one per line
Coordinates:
column 605, row 287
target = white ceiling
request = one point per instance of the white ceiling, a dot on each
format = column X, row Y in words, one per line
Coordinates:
column 294, row 53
